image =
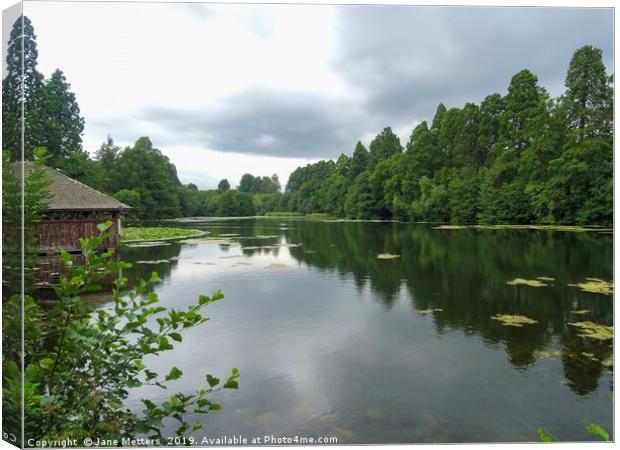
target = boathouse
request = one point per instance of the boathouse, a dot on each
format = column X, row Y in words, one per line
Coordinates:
column 73, row 212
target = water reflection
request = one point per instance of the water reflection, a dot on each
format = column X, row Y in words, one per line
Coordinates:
column 321, row 355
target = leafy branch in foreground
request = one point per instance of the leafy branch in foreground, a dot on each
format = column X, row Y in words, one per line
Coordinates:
column 80, row 363
column 591, row 428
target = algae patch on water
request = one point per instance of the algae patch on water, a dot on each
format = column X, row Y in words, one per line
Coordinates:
column 155, row 261
column 533, row 283
column 594, row 330
column 596, row 286
column 275, row 266
column 513, row 320
column 387, row 256
column 545, row 278
column 141, row 234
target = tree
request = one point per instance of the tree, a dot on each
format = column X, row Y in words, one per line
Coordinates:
column 223, row 185
column 525, row 111
column 383, row 146
column 438, row 118
column 63, row 125
column 246, row 183
column 587, row 101
column 491, row 110
column 27, row 103
column 359, row 161
column 144, row 169
column 275, row 182
column 107, row 156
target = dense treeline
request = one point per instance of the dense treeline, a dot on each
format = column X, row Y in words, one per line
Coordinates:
column 520, row 158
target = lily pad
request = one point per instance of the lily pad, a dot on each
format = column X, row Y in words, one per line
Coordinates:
column 275, row 266
column 581, row 311
column 156, row 261
column 590, row 356
column 451, row 227
column 513, row 320
column 428, row 311
column 206, row 241
column 523, row 281
column 596, row 286
column 545, row 278
column 387, row 256
column 146, row 244
column 594, row 330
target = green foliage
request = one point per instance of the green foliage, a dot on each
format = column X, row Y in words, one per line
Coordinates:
column 63, row 123
column 81, row 363
column 543, row 436
column 223, row 185
column 591, row 428
column 131, row 198
column 146, row 170
column 521, row 158
column 259, row 185
column 383, row 146
column 598, row 431
column 17, row 217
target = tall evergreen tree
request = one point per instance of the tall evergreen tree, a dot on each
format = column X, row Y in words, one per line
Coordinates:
column 587, row 102
column 359, row 160
column 382, row 147
column 22, row 93
column 438, row 118
column 62, row 120
column 525, row 103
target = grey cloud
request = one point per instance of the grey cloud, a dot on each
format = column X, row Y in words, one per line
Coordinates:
column 405, row 60
column 408, row 59
column 268, row 122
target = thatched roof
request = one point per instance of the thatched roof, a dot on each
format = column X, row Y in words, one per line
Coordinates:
column 68, row 194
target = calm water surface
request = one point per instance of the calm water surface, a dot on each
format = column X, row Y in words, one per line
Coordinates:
column 332, row 341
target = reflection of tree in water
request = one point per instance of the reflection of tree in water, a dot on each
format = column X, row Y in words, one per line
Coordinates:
column 166, row 256
column 583, row 360
column 463, row 273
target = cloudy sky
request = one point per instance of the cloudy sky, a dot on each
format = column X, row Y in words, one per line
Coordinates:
column 227, row 89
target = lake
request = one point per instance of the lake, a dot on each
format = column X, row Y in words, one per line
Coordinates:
column 332, row 341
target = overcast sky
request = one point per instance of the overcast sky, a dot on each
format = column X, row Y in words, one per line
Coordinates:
column 227, row 89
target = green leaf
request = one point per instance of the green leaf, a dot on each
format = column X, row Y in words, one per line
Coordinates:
column 212, row 380
column 231, row 384
column 104, row 226
column 215, row 407
column 47, row 363
column 164, row 344
column 105, row 427
column 542, row 436
column 174, row 374
column 176, row 336
column 598, row 431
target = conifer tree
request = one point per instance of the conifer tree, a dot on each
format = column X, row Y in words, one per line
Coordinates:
column 22, row 93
